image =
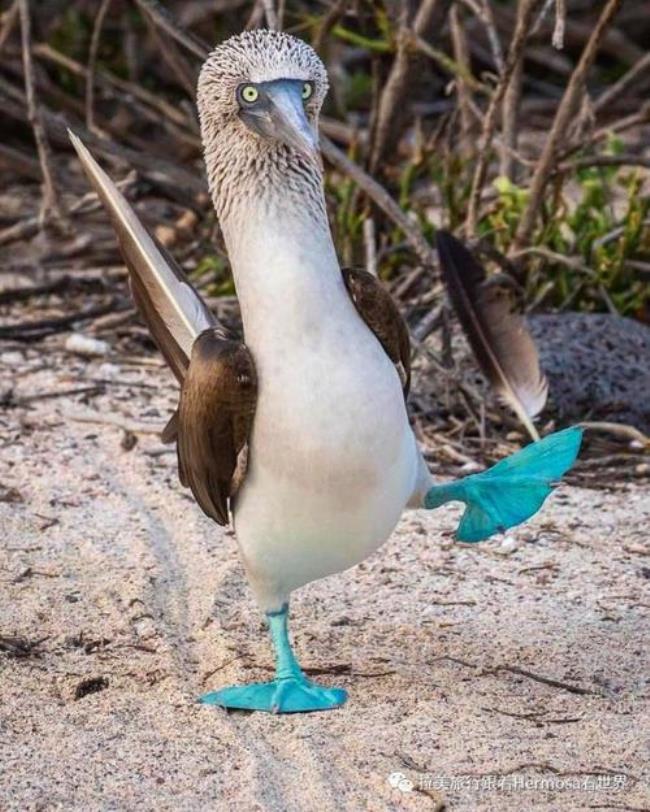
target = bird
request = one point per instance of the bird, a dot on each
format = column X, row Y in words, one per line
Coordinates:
column 298, row 431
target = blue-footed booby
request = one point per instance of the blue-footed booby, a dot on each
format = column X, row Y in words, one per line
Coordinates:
column 299, row 431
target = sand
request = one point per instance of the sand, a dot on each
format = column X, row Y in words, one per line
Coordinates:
column 512, row 675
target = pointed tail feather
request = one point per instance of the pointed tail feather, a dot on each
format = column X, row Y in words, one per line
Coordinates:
column 171, row 307
column 511, row 491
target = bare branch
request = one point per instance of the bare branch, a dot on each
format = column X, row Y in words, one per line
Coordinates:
column 616, row 90
column 255, row 17
column 561, row 123
column 452, row 66
column 92, row 61
column 642, row 116
column 624, row 159
column 493, row 35
column 560, row 24
column 270, row 14
column 153, row 100
column 51, row 205
column 8, row 21
column 176, row 181
column 463, row 92
column 328, row 22
column 515, row 55
column 430, row 16
column 176, row 61
column 541, row 17
column 510, row 123
column 370, row 245
column 20, row 163
column 484, row 12
column 382, row 199
column 164, row 20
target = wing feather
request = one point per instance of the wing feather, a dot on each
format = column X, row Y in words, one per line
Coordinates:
column 215, row 416
column 377, row 308
column 172, row 309
column 218, row 383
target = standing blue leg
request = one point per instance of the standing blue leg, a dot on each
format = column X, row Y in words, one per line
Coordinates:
column 289, row 692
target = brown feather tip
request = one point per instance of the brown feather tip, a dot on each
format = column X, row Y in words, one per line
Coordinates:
column 498, row 336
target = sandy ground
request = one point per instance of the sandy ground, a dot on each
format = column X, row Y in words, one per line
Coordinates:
column 512, row 675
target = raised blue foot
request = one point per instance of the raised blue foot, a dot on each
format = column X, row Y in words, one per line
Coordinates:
column 289, row 692
column 291, row 695
column 512, row 490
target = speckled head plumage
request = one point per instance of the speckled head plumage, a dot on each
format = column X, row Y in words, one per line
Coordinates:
column 242, row 163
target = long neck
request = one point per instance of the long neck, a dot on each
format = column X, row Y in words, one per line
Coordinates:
column 285, row 267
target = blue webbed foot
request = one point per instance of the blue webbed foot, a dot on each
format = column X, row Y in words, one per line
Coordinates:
column 288, row 695
column 511, row 491
column 289, row 692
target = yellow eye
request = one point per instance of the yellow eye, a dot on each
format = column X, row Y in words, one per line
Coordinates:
column 307, row 90
column 250, row 93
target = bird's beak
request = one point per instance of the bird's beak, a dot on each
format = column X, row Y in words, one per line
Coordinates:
column 281, row 116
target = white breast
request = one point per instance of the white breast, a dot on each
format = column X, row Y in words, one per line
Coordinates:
column 332, row 459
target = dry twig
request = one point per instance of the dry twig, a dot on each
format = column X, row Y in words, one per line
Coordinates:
column 110, row 419
column 515, row 54
column 484, row 12
column 561, row 123
column 455, row 67
column 554, row 683
column 463, row 92
column 36, row 330
column 509, row 166
column 8, row 20
column 19, row 162
column 380, row 196
column 430, row 16
column 177, row 182
column 92, row 61
column 271, row 15
column 328, row 22
column 164, row 20
column 617, row 90
column 174, row 59
column 493, row 35
column 26, row 228
column 560, row 24
column 619, row 430
column 51, row 205
column 132, row 89
column 370, row 245
column 624, row 159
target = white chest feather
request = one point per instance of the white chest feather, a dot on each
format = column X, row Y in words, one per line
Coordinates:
column 332, row 457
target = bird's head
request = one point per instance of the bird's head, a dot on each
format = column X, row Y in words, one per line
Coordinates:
column 259, row 95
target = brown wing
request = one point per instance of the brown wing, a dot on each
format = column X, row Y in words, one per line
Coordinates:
column 217, row 375
column 215, row 415
column 377, row 308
